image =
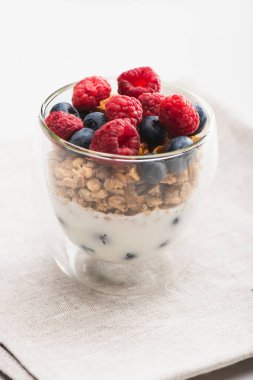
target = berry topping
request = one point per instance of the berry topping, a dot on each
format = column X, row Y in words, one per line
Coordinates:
column 180, row 163
column 82, row 138
column 178, row 115
column 118, row 136
column 202, row 118
column 151, row 132
column 63, row 124
column 152, row 172
column 121, row 106
column 137, row 81
column 94, row 120
column 151, row 103
column 65, row 107
column 179, row 143
column 88, row 93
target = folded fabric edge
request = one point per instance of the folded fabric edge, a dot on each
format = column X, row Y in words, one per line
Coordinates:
column 11, row 367
column 4, row 376
column 212, row 367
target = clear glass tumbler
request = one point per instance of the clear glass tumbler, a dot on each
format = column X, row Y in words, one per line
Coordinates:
column 108, row 223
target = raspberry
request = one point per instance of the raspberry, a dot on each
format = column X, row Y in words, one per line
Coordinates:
column 121, row 106
column 63, row 124
column 118, row 136
column 178, row 115
column 137, row 81
column 88, row 93
column 151, row 103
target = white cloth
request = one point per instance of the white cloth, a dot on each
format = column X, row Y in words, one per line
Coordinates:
column 60, row 330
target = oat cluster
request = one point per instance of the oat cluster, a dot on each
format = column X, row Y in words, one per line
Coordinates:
column 117, row 188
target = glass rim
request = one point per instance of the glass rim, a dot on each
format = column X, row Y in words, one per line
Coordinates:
column 121, row 158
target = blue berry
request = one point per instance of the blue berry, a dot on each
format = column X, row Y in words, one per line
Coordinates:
column 130, row 256
column 82, row 114
column 180, row 163
column 179, row 143
column 88, row 249
column 94, row 120
column 65, row 107
column 104, row 238
column 176, row 220
column 202, row 118
column 151, row 132
column 163, row 244
column 82, row 138
column 152, row 172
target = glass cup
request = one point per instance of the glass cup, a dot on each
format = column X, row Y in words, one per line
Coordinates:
column 118, row 223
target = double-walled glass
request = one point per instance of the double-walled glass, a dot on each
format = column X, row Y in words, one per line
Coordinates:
column 116, row 223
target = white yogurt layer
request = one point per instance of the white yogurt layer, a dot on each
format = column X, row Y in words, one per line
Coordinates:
column 117, row 238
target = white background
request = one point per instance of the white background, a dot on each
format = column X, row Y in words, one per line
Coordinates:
column 46, row 44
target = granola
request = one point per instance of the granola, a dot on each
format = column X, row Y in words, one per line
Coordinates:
column 117, row 188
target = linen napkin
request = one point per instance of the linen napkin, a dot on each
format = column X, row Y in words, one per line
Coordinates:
column 59, row 330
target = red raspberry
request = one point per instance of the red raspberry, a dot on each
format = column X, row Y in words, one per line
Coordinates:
column 88, row 93
column 121, row 106
column 137, row 81
column 118, row 136
column 151, row 103
column 63, row 124
column 178, row 115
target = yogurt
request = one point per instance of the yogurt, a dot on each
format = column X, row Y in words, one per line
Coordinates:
column 120, row 238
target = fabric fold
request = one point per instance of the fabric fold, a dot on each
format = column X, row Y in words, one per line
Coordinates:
column 11, row 368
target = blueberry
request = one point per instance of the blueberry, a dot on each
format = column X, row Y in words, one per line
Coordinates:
column 94, row 120
column 163, row 244
column 82, row 114
column 152, row 172
column 180, row 163
column 103, row 238
column 82, row 138
column 151, row 132
column 65, row 107
column 179, row 143
column 87, row 249
column 141, row 188
column 202, row 119
column 130, row 256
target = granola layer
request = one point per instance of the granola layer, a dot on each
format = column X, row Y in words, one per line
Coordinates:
column 117, row 188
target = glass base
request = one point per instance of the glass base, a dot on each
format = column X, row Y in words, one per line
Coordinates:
column 128, row 278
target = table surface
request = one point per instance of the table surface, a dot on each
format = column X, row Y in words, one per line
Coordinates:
column 41, row 52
